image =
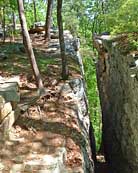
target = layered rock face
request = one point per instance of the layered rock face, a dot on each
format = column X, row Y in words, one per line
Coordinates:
column 117, row 74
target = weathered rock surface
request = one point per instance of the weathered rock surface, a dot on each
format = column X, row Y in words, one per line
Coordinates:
column 2, row 102
column 118, row 88
column 5, row 110
column 9, row 89
column 9, row 97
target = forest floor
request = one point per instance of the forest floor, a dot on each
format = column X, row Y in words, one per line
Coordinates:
column 15, row 63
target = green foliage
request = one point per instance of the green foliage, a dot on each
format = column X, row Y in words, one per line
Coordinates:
column 13, row 4
column 135, row 44
column 44, row 62
column 133, row 41
column 124, row 18
column 17, row 59
column 92, row 94
column 70, row 16
column 40, row 12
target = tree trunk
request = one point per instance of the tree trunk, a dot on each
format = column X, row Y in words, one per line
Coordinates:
column 35, row 15
column 65, row 72
column 48, row 20
column 14, row 26
column 28, row 46
column 14, row 21
column 3, row 25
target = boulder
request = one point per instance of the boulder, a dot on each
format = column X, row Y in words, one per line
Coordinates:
column 5, row 110
column 9, row 91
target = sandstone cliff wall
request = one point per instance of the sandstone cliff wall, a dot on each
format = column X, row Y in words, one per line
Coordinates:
column 118, row 87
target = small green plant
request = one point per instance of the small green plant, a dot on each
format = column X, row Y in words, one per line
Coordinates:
column 134, row 44
column 133, row 41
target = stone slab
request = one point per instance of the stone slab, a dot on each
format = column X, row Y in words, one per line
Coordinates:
column 14, row 79
column 9, row 90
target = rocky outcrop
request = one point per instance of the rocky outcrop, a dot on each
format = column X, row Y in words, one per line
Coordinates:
column 51, row 134
column 118, row 87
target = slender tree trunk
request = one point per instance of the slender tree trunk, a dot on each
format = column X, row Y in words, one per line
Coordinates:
column 14, row 21
column 27, row 44
column 65, row 72
column 0, row 15
column 14, row 25
column 48, row 20
column 35, row 15
column 3, row 23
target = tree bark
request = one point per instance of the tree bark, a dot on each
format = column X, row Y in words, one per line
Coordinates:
column 65, row 72
column 28, row 46
column 35, row 15
column 3, row 25
column 14, row 21
column 14, row 26
column 48, row 20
